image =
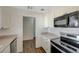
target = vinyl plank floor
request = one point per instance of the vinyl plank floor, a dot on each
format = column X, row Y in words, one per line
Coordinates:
column 29, row 47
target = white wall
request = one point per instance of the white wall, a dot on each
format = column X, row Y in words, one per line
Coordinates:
column 28, row 28
column 16, row 25
column 64, row 30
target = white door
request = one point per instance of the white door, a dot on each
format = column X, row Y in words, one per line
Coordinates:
column 28, row 28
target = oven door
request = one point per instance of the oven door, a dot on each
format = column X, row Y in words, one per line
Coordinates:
column 58, row 48
column 70, row 41
column 54, row 49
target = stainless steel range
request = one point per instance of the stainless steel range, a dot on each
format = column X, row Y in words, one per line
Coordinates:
column 68, row 43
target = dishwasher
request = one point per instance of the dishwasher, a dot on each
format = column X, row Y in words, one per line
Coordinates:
column 13, row 46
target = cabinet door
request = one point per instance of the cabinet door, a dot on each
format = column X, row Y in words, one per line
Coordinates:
column 6, row 16
column 49, row 19
column 42, row 43
column 59, row 11
column 7, row 49
column 46, row 44
column 71, row 9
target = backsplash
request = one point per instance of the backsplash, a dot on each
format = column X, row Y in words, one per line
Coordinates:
column 59, row 30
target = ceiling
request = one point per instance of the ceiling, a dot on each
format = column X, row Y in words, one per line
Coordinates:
column 40, row 9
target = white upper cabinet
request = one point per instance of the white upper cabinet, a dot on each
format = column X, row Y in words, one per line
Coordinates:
column 72, row 9
column 4, row 18
column 59, row 11
column 49, row 19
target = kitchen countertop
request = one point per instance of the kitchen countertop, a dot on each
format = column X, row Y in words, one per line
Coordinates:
column 49, row 35
column 5, row 40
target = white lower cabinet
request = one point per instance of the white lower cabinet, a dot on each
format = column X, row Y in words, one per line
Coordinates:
column 11, row 48
column 7, row 49
column 45, row 44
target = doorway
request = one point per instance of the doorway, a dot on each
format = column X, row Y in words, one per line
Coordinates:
column 29, row 39
column 28, row 28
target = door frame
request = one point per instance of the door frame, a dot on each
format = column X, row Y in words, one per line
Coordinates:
column 34, row 26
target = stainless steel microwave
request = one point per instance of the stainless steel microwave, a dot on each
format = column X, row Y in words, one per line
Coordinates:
column 68, row 20
column 61, row 21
